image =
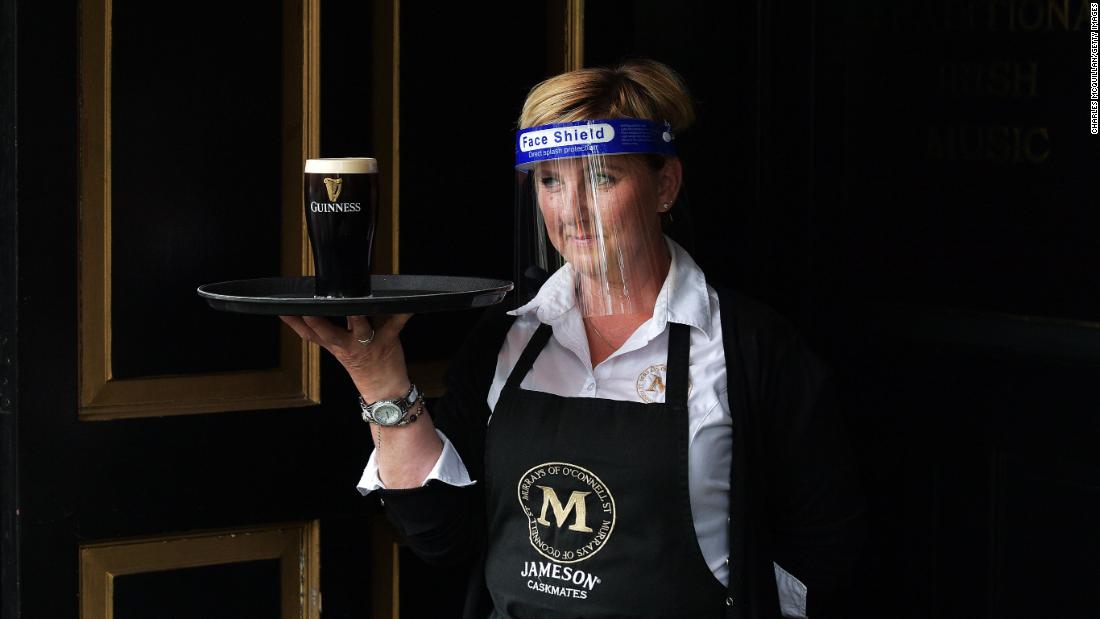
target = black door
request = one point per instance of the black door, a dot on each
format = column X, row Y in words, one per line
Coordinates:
column 162, row 459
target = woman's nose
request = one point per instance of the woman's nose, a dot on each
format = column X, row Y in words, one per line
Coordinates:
column 578, row 199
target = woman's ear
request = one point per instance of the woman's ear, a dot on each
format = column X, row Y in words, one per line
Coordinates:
column 669, row 178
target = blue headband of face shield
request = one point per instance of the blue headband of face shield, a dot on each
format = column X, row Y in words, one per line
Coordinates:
column 617, row 136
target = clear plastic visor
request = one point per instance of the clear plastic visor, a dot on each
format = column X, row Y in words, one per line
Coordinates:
column 601, row 215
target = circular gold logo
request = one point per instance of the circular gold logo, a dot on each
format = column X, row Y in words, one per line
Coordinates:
column 651, row 383
column 570, row 512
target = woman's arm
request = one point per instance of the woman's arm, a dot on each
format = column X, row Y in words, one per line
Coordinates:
column 445, row 524
column 378, row 371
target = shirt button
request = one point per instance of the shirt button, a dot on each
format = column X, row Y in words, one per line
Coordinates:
column 729, row 601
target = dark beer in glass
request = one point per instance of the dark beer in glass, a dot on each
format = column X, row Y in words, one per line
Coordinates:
column 341, row 211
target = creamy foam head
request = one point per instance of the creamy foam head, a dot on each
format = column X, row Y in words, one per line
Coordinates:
column 342, row 165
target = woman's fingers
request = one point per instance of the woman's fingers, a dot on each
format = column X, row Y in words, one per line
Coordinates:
column 328, row 333
column 300, row 327
column 348, row 341
column 361, row 328
column 380, row 328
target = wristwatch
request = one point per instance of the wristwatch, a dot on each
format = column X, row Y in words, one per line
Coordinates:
column 390, row 413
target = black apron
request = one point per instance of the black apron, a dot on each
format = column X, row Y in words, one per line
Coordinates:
column 588, row 505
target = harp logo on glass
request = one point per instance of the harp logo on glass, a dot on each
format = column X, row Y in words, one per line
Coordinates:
column 596, row 133
column 333, row 187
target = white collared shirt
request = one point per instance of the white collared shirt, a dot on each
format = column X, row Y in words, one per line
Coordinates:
column 636, row 373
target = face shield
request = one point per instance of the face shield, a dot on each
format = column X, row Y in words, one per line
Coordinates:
column 590, row 195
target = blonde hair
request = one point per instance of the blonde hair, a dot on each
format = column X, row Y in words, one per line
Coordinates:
column 639, row 88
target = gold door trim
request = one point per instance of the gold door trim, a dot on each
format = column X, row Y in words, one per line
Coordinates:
column 386, row 127
column 565, row 35
column 428, row 375
column 386, row 570
column 386, row 69
column 296, row 382
column 296, row 546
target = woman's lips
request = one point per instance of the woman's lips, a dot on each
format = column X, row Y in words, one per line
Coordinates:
column 581, row 236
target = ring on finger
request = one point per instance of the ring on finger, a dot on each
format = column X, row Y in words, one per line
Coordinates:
column 370, row 338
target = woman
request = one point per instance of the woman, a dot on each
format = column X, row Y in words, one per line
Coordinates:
column 634, row 441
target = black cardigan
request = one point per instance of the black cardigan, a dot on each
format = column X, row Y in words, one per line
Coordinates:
column 794, row 495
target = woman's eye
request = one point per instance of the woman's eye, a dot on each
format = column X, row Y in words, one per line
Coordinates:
column 604, row 180
column 549, row 182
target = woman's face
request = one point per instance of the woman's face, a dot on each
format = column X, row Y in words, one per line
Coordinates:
column 603, row 213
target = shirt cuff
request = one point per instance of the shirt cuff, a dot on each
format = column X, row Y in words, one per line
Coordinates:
column 792, row 594
column 448, row 469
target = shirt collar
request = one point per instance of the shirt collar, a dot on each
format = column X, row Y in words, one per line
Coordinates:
column 683, row 298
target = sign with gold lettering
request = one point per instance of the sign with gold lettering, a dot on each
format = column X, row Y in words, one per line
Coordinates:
column 968, row 155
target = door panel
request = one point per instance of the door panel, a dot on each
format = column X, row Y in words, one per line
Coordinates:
column 168, row 189
column 204, row 442
column 190, row 139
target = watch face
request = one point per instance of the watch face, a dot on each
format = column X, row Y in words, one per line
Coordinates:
column 387, row 413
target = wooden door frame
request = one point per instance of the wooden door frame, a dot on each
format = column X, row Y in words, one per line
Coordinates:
column 296, row 380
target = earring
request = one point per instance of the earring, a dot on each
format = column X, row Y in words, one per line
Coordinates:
column 665, row 210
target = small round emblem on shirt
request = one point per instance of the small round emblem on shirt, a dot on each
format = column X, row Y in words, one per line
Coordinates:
column 570, row 512
column 651, row 384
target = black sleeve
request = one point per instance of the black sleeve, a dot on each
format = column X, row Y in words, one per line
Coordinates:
column 443, row 524
column 815, row 499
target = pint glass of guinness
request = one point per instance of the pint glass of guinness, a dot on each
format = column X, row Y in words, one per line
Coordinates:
column 341, row 211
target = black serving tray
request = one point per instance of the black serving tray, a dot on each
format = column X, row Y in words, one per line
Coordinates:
column 391, row 294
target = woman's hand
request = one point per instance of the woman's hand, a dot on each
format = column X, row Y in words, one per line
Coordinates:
column 378, row 368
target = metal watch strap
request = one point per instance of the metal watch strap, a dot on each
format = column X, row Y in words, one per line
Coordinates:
column 404, row 422
column 403, row 403
column 411, row 418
